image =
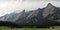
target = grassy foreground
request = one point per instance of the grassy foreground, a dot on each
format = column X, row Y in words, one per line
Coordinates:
column 8, row 28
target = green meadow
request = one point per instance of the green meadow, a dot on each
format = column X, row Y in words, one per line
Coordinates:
column 8, row 28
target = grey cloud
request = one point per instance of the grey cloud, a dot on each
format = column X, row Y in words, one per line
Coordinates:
column 40, row 0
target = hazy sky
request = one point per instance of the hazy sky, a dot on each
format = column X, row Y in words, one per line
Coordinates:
column 8, row 6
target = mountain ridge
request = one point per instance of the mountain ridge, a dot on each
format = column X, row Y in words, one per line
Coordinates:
column 45, row 17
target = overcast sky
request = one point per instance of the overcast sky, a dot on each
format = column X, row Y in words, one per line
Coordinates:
column 8, row 6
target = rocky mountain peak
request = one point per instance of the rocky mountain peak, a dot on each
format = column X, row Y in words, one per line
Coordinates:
column 48, row 10
column 49, row 4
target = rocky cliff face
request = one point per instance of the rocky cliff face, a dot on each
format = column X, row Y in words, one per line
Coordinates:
column 20, row 16
column 49, row 9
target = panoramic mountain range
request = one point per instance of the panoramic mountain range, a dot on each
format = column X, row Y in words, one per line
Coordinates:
column 45, row 17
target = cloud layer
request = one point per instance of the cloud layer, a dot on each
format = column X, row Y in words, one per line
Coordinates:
column 8, row 6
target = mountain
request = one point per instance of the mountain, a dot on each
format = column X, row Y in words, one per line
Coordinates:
column 13, row 16
column 20, row 16
column 32, row 14
column 52, row 13
column 45, row 17
column 9, row 17
column 49, row 9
